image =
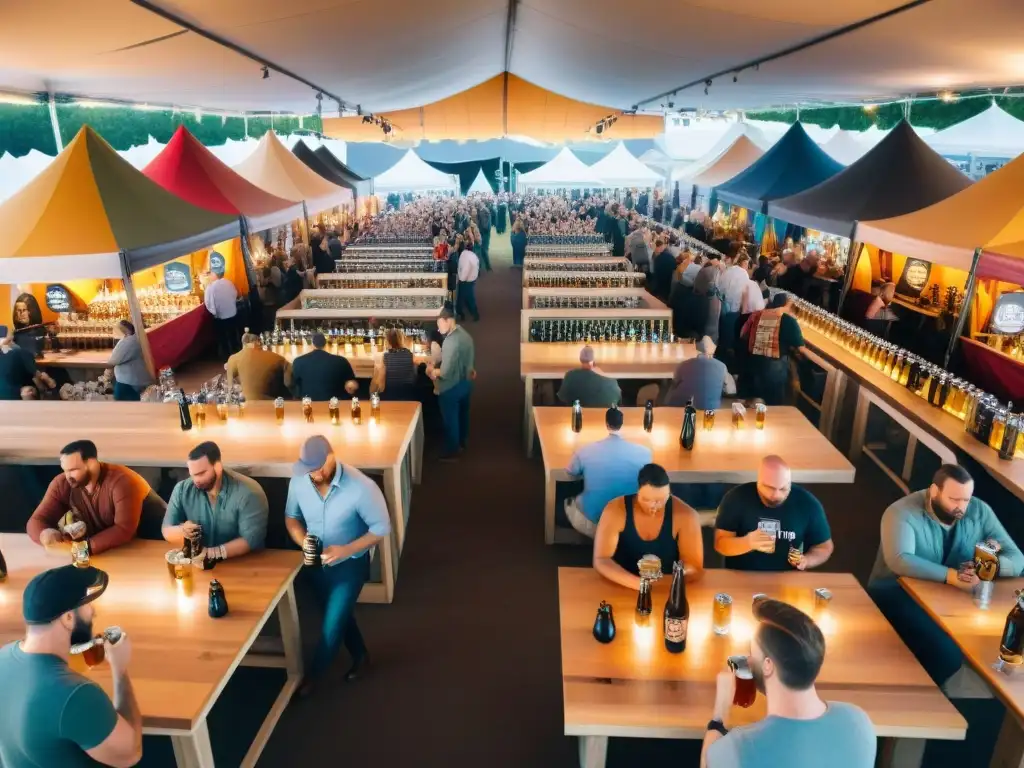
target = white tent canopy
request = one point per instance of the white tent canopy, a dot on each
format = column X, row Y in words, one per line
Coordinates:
column 846, row 147
column 563, row 170
column 619, row 168
column 992, row 133
column 410, row 174
column 686, row 172
column 480, row 184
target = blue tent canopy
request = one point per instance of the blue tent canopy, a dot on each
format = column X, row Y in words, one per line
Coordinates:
column 794, row 164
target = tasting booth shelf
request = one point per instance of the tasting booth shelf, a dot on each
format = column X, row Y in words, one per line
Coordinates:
column 390, row 280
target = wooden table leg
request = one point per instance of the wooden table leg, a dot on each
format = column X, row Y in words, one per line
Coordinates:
column 417, row 450
column 549, row 509
column 529, row 425
column 396, row 503
column 593, row 751
column 193, row 750
column 835, row 385
column 902, row 753
column 860, row 425
column 1009, row 750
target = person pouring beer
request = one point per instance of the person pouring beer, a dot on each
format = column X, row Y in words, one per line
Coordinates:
column 52, row 715
column 786, row 654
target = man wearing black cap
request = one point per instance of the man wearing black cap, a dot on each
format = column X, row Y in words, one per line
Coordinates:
column 52, row 716
column 321, row 375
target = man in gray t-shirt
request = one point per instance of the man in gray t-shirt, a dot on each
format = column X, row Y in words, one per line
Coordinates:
column 800, row 730
column 588, row 385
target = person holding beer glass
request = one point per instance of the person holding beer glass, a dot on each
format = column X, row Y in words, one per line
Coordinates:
column 772, row 525
column 346, row 512
column 786, row 654
column 52, row 715
column 931, row 535
column 649, row 522
column 230, row 509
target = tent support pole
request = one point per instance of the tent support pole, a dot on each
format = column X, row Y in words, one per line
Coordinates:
column 255, row 305
column 305, row 220
column 965, row 308
column 135, row 310
column 851, row 267
column 55, row 124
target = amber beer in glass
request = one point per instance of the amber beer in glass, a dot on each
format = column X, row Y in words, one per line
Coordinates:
column 746, row 691
column 709, row 420
column 721, row 614
column 307, row 409
column 334, row 410
column 279, row 410
column 760, row 413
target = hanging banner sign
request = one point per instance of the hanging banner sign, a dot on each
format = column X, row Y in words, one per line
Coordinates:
column 914, row 278
column 1008, row 315
column 177, row 277
column 58, row 298
column 217, row 263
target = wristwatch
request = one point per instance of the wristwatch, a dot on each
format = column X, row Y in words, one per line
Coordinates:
column 717, row 725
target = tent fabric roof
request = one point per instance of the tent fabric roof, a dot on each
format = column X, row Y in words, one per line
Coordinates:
column 738, row 157
column 845, row 147
column 563, row 170
column 620, row 169
column 72, row 219
column 320, row 166
column 189, row 170
column 332, row 161
column 273, row 168
column 992, row 133
column 901, row 174
column 989, row 214
column 794, row 164
column 412, row 173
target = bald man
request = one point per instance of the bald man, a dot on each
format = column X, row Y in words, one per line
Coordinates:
column 759, row 523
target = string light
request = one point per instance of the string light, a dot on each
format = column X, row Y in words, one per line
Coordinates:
column 947, row 96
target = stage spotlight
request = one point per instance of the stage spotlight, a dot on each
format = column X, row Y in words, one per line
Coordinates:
column 266, row 73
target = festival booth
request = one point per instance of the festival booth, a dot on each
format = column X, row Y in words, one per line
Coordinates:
column 274, row 169
column 314, row 160
column 563, row 171
column 365, row 201
column 620, row 170
column 87, row 221
column 699, row 180
column 412, row 174
column 981, row 143
column 899, row 175
column 974, row 238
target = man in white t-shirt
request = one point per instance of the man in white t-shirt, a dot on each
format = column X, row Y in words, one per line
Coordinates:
column 220, row 298
column 469, row 271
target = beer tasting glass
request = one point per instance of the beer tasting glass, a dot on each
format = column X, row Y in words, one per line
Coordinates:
column 179, row 567
column 760, row 413
column 279, row 410
column 795, row 553
column 92, row 651
column 709, row 420
column 721, row 614
column 746, row 691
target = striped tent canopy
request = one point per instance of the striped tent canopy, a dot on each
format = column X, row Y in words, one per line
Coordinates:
column 88, row 206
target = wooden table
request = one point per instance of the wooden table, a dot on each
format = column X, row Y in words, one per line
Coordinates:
column 552, row 360
column 723, row 455
column 181, row 658
column 934, row 428
column 81, row 364
column 148, row 435
column 633, row 687
column 978, row 633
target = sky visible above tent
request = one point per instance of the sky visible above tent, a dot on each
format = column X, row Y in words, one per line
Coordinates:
column 792, row 165
column 899, row 175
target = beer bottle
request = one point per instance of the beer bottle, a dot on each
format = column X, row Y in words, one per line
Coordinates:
column 577, row 416
column 677, row 612
column 689, row 430
column 183, row 413
column 1011, row 647
column 3, row 567
column 649, row 416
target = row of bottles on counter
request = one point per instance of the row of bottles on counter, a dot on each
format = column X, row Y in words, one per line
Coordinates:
column 580, row 280
column 390, row 265
column 392, row 240
column 541, row 253
column 156, row 302
column 332, row 281
column 343, row 337
column 398, row 252
column 588, row 239
column 590, row 331
column 587, row 302
column 392, row 301
column 611, row 265
column 984, row 417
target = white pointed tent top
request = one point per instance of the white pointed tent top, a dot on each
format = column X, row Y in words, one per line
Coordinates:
column 480, row 184
column 992, row 133
column 563, row 170
column 846, row 147
column 620, row 169
column 684, row 172
column 411, row 173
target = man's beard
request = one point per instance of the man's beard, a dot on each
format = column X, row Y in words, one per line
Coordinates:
column 204, row 487
column 81, row 632
column 772, row 503
column 947, row 516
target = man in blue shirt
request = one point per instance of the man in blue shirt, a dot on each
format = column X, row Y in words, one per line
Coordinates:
column 609, row 470
column 346, row 510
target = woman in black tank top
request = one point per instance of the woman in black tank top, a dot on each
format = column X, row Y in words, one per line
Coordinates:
column 632, row 547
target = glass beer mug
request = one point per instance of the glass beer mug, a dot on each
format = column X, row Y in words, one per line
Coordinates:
column 279, row 410
column 334, row 410
column 307, row 409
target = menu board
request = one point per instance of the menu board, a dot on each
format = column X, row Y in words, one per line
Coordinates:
column 177, row 277
column 58, row 298
column 914, row 278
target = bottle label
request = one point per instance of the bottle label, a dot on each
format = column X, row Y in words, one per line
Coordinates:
column 675, row 630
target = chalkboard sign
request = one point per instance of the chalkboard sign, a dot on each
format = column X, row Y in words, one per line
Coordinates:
column 177, row 277
column 217, row 263
column 914, row 278
column 1008, row 315
column 58, row 298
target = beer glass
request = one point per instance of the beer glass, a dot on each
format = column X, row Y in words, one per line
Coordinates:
column 760, row 413
column 795, row 553
column 771, row 527
column 311, row 550
column 93, row 651
column 307, row 409
column 709, row 420
column 721, row 614
column 279, row 410
column 80, row 554
column 737, row 415
column 746, row 690
column 222, row 408
column 334, row 411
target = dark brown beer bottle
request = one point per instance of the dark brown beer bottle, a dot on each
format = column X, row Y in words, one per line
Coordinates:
column 1011, row 647
column 677, row 612
column 3, row 567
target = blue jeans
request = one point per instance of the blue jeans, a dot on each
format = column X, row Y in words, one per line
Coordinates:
column 126, row 392
column 466, row 301
column 337, row 589
column 454, row 404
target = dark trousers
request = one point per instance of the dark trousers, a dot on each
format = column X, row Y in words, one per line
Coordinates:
column 126, row 392
column 454, row 404
column 485, row 250
column 466, row 301
column 337, row 589
column 227, row 336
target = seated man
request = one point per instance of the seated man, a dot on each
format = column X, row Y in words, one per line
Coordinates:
column 928, row 535
column 264, row 375
column 760, row 523
column 588, row 385
column 108, row 498
column 702, row 379
column 800, row 729
column 608, row 469
column 321, row 375
column 650, row 522
column 231, row 508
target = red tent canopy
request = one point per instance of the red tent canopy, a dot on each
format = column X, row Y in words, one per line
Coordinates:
column 193, row 173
